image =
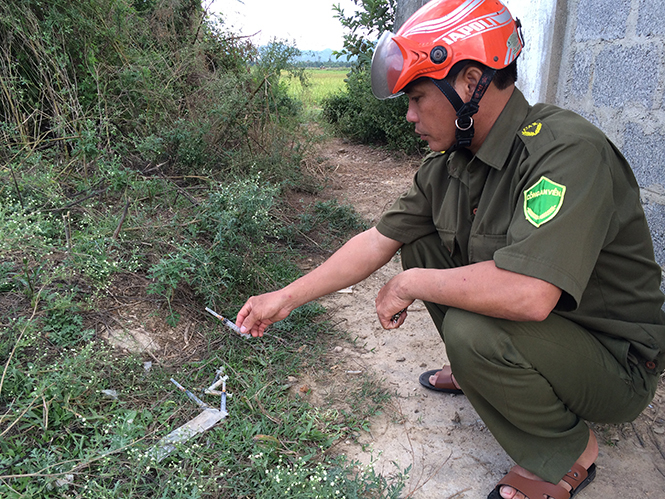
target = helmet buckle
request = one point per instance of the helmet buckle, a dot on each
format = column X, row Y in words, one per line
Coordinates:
column 467, row 123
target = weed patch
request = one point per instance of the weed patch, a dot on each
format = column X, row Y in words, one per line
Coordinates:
column 148, row 152
column 82, row 420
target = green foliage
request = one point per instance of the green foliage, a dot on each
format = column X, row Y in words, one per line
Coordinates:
column 7, row 277
column 355, row 112
column 84, row 419
column 144, row 141
column 227, row 250
column 302, row 480
column 371, row 19
column 333, row 219
column 23, row 278
column 277, row 57
column 141, row 79
column 62, row 325
column 57, row 51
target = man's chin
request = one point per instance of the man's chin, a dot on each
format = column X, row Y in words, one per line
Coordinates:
column 435, row 146
column 429, row 140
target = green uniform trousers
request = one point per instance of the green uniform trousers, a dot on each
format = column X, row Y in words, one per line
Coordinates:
column 533, row 383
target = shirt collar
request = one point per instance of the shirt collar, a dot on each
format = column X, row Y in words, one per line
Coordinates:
column 497, row 146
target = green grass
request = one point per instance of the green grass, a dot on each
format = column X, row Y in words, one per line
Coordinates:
column 61, row 435
column 321, row 84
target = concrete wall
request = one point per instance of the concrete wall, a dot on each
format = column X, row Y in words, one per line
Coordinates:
column 605, row 61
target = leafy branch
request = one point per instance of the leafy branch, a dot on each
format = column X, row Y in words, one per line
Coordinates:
column 365, row 25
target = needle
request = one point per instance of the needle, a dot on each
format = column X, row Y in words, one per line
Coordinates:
column 193, row 397
column 397, row 315
column 228, row 323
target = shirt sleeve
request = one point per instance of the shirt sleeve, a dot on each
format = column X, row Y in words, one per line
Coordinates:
column 410, row 216
column 562, row 248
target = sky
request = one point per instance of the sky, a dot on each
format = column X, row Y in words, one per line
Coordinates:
column 310, row 23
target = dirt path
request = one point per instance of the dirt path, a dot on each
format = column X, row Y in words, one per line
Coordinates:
column 450, row 451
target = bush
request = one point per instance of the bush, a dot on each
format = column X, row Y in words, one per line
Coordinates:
column 357, row 114
column 153, row 82
column 228, row 251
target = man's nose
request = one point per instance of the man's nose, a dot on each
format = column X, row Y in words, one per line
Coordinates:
column 411, row 115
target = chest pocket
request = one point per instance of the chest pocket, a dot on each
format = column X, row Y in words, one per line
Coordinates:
column 450, row 244
column 471, row 219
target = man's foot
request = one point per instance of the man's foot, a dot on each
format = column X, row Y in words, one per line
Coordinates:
column 582, row 473
column 516, row 486
column 440, row 381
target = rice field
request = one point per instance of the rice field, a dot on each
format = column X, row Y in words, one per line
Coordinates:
column 322, row 82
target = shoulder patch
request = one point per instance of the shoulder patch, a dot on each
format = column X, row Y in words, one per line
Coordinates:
column 533, row 129
column 535, row 134
column 543, row 200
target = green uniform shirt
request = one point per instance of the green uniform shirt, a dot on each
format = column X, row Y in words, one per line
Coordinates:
column 548, row 196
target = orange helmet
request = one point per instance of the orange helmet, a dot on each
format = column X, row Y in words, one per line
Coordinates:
column 440, row 34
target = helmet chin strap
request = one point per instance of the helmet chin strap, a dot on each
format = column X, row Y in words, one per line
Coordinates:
column 465, row 110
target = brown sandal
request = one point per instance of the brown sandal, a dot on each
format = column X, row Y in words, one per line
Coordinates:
column 577, row 478
column 444, row 381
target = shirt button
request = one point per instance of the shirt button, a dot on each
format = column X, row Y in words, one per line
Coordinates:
column 475, row 210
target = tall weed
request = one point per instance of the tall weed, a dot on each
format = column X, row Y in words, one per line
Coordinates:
column 229, row 249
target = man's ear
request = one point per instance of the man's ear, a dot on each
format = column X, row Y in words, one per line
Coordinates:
column 467, row 80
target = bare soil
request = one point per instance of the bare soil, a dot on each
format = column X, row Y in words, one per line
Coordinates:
column 450, row 451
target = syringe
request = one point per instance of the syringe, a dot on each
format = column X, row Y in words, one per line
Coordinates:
column 228, row 323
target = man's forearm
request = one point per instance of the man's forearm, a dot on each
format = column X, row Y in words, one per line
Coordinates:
column 481, row 288
column 353, row 262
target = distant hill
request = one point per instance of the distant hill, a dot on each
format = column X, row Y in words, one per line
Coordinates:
column 321, row 57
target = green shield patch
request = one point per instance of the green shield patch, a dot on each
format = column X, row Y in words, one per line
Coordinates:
column 542, row 201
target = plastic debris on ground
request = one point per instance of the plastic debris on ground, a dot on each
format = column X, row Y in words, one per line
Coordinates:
column 201, row 423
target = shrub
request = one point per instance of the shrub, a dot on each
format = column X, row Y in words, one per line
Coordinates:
column 228, row 251
column 153, row 82
column 357, row 114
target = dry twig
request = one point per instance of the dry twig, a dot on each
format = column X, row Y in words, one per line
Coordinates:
column 20, row 337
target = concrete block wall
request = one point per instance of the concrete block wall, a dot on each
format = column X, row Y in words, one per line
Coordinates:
column 605, row 61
